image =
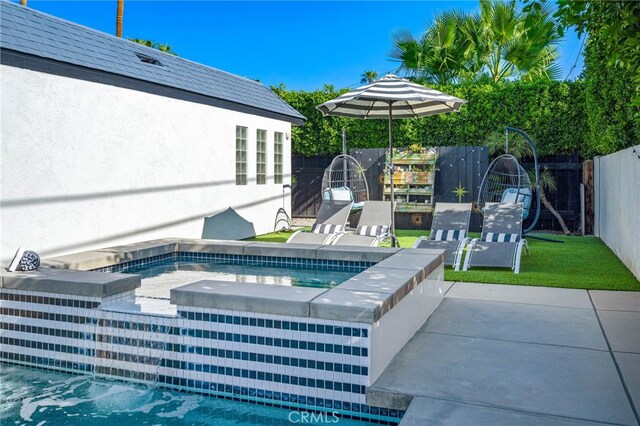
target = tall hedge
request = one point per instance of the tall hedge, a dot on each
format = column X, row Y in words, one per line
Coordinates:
column 612, row 115
column 552, row 113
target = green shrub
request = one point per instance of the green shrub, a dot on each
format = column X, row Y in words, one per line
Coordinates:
column 612, row 115
column 552, row 113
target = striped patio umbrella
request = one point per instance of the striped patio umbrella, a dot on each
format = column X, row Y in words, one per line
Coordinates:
column 388, row 98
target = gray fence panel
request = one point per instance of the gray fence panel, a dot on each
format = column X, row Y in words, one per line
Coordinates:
column 461, row 167
column 566, row 170
column 373, row 161
column 305, row 190
column 458, row 166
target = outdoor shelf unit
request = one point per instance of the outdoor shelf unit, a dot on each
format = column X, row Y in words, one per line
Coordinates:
column 413, row 181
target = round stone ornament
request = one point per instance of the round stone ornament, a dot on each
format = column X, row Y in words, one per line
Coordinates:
column 30, row 261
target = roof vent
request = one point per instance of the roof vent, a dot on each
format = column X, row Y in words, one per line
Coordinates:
column 148, row 59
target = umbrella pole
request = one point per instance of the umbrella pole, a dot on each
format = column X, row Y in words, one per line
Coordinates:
column 393, row 221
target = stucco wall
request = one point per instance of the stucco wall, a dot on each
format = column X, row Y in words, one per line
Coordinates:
column 86, row 165
column 617, row 204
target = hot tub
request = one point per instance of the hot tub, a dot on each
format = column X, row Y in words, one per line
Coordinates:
column 292, row 346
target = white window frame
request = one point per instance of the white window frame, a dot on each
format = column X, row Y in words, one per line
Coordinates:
column 241, row 155
column 278, row 156
column 261, row 157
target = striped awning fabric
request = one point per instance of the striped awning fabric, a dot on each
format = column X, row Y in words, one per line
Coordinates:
column 409, row 100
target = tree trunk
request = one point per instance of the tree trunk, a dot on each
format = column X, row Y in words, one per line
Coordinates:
column 587, row 181
column 119, row 16
column 548, row 206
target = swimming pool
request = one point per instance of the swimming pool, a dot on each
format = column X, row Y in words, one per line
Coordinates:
column 33, row 396
column 163, row 273
column 289, row 346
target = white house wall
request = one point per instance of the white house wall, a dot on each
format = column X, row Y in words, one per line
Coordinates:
column 87, row 165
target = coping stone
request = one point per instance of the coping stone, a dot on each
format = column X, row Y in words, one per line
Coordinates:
column 246, row 297
column 561, row 297
column 347, row 305
column 142, row 245
column 71, row 282
column 606, row 300
column 85, row 260
column 101, row 258
column 387, row 398
column 363, row 254
column 429, row 411
column 423, row 251
column 212, row 246
column 138, row 251
column 395, row 282
column 425, row 264
column 291, row 250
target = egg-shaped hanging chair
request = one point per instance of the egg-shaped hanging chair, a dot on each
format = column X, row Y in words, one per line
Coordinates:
column 506, row 181
column 344, row 180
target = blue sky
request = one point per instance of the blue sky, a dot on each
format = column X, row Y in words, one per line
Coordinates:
column 303, row 44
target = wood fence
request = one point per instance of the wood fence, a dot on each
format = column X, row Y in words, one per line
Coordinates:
column 457, row 167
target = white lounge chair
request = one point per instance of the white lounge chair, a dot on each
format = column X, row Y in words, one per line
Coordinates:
column 373, row 226
column 330, row 222
column 501, row 242
column 449, row 230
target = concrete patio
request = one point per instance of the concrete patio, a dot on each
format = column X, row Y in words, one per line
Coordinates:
column 498, row 354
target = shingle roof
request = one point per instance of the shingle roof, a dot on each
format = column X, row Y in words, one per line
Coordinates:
column 28, row 31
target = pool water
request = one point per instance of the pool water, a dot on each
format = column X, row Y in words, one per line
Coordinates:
column 41, row 397
column 171, row 273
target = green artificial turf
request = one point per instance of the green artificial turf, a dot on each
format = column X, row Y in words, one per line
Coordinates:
column 579, row 262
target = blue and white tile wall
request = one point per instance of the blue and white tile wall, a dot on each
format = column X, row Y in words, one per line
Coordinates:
column 46, row 330
column 315, row 362
column 274, row 359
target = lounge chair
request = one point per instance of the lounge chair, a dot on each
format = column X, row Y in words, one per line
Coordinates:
column 373, row 226
column 449, row 230
column 331, row 220
column 501, row 242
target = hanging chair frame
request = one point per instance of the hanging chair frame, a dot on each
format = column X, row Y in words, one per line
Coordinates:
column 341, row 165
column 535, row 186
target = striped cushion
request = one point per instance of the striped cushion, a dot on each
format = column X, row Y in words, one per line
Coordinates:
column 326, row 228
column 500, row 238
column 372, row 231
column 448, row 234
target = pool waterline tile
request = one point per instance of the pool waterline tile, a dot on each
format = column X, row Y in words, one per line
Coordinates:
column 270, row 261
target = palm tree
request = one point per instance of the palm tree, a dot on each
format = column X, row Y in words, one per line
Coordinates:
column 119, row 17
column 517, row 44
column 440, row 55
column 166, row 48
column 499, row 42
column 368, row 76
column 548, row 183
